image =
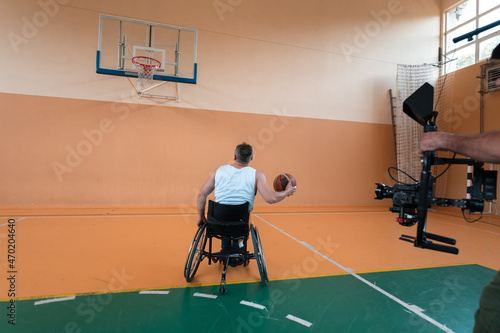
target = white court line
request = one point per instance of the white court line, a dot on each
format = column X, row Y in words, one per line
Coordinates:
column 52, row 300
column 253, row 305
column 373, row 212
column 103, row 215
column 412, row 308
column 173, row 215
column 466, row 227
column 96, row 216
column 322, row 213
column 154, row 292
column 205, row 295
column 298, row 320
column 17, row 220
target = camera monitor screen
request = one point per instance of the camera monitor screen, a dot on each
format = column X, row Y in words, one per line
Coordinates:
column 419, row 105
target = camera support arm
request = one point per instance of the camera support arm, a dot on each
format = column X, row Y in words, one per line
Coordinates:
column 424, row 202
column 412, row 201
column 422, row 239
column 475, row 203
column 425, row 199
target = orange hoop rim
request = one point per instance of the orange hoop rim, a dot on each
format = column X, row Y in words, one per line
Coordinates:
column 146, row 66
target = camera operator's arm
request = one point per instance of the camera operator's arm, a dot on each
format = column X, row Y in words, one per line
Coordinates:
column 481, row 147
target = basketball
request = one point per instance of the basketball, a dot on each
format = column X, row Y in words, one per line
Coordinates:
column 281, row 181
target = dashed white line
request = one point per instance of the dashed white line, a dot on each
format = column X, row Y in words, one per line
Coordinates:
column 52, row 300
column 298, row 320
column 253, row 305
column 154, row 292
column 205, row 295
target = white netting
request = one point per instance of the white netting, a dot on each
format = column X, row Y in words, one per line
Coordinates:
column 146, row 68
column 408, row 131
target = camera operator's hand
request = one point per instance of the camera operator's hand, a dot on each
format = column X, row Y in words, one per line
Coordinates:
column 484, row 147
column 433, row 141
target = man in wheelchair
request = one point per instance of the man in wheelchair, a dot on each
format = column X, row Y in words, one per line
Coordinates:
column 235, row 187
column 238, row 183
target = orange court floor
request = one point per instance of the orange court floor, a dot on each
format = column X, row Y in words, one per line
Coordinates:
column 61, row 252
column 76, row 250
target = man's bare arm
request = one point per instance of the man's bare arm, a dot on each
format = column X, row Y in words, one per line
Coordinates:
column 269, row 195
column 483, row 147
column 206, row 189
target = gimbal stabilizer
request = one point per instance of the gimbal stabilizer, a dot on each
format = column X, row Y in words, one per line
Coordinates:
column 412, row 201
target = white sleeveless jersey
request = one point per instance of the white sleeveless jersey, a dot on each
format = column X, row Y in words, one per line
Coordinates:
column 235, row 186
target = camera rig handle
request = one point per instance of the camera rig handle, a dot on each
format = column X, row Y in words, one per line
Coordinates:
column 423, row 238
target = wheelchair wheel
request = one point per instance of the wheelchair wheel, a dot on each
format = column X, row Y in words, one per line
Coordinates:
column 259, row 254
column 196, row 253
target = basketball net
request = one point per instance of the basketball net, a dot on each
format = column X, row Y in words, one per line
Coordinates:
column 146, row 69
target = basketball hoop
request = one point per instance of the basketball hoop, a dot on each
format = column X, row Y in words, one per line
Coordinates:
column 146, row 67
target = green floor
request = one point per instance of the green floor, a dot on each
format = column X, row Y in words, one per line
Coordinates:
column 449, row 295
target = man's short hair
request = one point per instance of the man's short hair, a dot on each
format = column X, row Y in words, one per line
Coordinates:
column 496, row 53
column 243, row 153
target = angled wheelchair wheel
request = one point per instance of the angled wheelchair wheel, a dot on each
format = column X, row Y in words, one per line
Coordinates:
column 196, row 253
column 259, row 254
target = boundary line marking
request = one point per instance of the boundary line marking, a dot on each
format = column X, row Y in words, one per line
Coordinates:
column 322, row 213
column 205, row 295
column 20, row 219
column 154, row 292
column 466, row 227
column 298, row 320
column 254, row 305
column 89, row 216
column 138, row 290
column 412, row 308
column 52, row 300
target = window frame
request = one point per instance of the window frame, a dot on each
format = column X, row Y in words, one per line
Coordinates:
column 448, row 55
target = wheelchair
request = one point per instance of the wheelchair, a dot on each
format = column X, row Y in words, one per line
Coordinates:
column 230, row 224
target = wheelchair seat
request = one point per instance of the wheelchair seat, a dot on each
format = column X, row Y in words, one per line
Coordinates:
column 230, row 224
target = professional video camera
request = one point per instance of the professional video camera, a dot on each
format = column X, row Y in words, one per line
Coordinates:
column 411, row 201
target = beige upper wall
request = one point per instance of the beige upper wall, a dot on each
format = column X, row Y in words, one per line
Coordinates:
column 319, row 59
column 445, row 4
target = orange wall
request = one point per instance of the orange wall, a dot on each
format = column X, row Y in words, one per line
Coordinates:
column 465, row 119
column 305, row 82
column 68, row 152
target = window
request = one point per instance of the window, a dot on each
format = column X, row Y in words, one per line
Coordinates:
column 465, row 17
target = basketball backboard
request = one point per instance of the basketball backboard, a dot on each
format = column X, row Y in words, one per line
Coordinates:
column 121, row 39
